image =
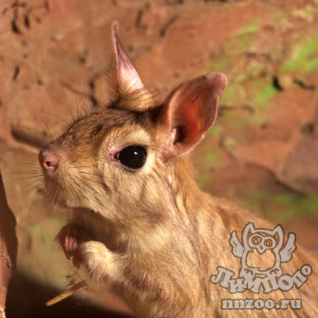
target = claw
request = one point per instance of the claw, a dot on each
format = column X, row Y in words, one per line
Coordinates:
column 69, row 246
column 69, row 238
column 77, row 258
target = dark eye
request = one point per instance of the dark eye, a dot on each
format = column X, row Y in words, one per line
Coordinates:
column 132, row 157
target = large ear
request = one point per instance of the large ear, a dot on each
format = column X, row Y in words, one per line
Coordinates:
column 190, row 111
column 125, row 80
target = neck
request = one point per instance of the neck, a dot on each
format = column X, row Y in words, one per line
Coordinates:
column 177, row 199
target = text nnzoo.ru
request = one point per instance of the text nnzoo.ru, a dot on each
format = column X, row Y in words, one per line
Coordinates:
column 239, row 304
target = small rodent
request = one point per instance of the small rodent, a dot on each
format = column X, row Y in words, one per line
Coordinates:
column 141, row 226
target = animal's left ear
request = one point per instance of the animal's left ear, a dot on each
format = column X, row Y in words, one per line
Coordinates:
column 189, row 112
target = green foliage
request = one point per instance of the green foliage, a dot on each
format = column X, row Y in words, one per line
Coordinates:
column 243, row 38
column 264, row 94
column 279, row 206
column 223, row 64
column 202, row 181
column 41, row 235
column 211, row 159
column 252, row 27
column 304, row 57
column 297, row 205
column 216, row 130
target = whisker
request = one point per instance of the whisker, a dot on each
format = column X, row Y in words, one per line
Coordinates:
column 20, row 179
column 32, row 187
column 59, row 118
column 20, row 134
column 67, row 107
column 46, row 126
column 29, row 174
column 27, row 166
column 80, row 105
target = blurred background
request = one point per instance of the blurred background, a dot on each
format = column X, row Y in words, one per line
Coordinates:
column 262, row 152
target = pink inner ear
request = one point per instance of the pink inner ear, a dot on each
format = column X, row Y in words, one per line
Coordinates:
column 194, row 105
column 192, row 110
column 128, row 79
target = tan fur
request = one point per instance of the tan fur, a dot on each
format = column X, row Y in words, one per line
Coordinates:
column 152, row 235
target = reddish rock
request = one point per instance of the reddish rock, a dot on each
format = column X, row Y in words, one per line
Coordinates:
column 53, row 55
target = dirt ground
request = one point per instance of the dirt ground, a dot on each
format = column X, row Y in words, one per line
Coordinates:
column 262, row 152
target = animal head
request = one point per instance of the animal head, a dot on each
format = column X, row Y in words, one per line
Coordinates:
column 124, row 160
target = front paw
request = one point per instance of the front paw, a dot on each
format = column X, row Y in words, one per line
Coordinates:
column 94, row 258
column 70, row 237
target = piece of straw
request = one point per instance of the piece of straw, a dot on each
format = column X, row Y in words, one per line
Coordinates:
column 66, row 293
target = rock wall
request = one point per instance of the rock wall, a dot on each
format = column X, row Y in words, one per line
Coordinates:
column 262, row 151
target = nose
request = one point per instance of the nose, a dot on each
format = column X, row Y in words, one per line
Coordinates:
column 48, row 160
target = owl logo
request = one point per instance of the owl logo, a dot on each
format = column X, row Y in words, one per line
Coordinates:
column 261, row 251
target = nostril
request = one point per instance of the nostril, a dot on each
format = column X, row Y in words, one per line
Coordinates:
column 48, row 161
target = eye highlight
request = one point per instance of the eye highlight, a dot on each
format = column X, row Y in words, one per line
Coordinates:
column 132, row 157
